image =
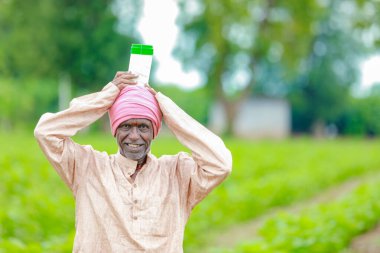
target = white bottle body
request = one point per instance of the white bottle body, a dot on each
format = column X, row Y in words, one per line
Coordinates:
column 140, row 65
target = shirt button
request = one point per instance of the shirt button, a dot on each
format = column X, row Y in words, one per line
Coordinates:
column 134, row 217
column 129, row 173
column 134, row 185
column 135, row 201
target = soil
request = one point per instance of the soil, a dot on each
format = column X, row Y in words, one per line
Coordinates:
column 368, row 242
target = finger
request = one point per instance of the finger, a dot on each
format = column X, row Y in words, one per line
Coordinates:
column 119, row 73
column 120, row 83
column 128, row 79
column 127, row 76
column 122, row 86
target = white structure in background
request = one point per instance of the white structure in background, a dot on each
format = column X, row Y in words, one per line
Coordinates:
column 257, row 118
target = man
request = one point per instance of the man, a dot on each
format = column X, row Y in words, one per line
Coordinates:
column 132, row 201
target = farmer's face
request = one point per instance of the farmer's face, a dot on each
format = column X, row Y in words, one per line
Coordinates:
column 134, row 137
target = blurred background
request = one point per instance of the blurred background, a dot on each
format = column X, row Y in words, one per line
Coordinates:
column 293, row 87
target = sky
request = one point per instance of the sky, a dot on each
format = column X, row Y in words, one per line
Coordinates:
column 159, row 29
column 370, row 71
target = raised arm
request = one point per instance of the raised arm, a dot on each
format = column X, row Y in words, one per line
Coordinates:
column 211, row 161
column 53, row 131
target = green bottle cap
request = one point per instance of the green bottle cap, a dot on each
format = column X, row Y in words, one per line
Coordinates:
column 142, row 49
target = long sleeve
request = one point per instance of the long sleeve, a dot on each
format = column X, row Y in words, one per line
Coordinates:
column 211, row 161
column 53, row 132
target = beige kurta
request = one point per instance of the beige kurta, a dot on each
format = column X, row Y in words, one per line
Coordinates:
column 115, row 213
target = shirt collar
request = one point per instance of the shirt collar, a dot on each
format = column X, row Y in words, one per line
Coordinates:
column 125, row 163
column 130, row 165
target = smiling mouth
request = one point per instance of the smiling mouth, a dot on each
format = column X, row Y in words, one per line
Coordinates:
column 131, row 145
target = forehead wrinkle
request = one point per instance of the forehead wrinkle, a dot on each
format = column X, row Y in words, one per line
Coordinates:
column 137, row 121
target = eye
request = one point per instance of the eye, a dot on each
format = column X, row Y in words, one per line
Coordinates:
column 125, row 126
column 143, row 127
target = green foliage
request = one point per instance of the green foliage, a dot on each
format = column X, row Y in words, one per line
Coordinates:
column 362, row 117
column 307, row 50
column 324, row 228
column 23, row 101
column 322, row 90
column 196, row 102
column 90, row 49
column 271, row 174
column 229, row 42
column 37, row 210
column 45, row 39
column 262, row 45
column 366, row 17
column 26, row 43
column 35, row 97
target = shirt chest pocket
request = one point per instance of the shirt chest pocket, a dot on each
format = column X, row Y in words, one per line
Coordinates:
column 157, row 217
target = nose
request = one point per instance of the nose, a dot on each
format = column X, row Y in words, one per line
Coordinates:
column 134, row 134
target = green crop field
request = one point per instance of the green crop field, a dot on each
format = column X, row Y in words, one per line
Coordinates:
column 37, row 210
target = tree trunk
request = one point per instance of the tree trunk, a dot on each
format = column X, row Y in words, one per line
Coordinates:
column 318, row 128
column 231, row 107
column 64, row 91
column 230, row 112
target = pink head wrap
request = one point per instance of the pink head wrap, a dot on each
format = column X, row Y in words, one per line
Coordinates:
column 135, row 102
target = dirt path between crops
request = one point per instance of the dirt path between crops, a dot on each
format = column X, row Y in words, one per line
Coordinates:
column 367, row 243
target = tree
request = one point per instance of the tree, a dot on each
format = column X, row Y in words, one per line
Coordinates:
column 47, row 38
column 242, row 46
column 90, row 47
column 362, row 116
column 69, row 41
column 26, row 48
column 228, row 41
column 322, row 90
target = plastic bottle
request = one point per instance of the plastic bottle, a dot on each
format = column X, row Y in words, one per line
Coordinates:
column 140, row 62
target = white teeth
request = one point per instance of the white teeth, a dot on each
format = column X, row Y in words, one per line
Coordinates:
column 133, row 145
